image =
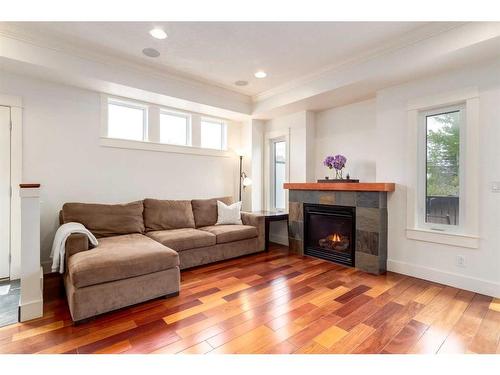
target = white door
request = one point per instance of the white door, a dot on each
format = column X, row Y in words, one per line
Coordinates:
column 4, row 192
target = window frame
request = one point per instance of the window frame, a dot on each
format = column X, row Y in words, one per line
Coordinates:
column 422, row 167
column 133, row 105
column 467, row 236
column 272, row 152
column 187, row 116
column 223, row 127
column 151, row 129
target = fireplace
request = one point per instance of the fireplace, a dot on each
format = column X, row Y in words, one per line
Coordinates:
column 329, row 232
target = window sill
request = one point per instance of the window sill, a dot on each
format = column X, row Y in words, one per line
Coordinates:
column 452, row 239
column 162, row 147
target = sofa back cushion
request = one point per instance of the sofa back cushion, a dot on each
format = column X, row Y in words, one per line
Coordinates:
column 165, row 214
column 205, row 210
column 106, row 220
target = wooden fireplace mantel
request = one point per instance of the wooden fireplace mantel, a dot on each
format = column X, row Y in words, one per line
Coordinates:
column 340, row 186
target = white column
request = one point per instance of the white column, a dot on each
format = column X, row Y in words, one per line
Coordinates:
column 31, row 301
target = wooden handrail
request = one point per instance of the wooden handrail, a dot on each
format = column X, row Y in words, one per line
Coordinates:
column 29, row 186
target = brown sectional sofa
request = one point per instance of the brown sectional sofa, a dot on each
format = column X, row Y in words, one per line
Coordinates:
column 142, row 247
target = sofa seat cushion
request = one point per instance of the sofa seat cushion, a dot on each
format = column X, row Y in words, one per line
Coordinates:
column 183, row 239
column 120, row 257
column 231, row 233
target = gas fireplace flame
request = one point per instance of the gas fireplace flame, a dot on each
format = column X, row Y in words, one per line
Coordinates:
column 335, row 241
column 335, row 237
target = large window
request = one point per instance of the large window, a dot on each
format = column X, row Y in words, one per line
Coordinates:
column 127, row 121
column 213, row 134
column 157, row 128
column 174, row 128
column 278, row 174
column 443, row 168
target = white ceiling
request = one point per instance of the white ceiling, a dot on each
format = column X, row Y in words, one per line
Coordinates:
column 224, row 52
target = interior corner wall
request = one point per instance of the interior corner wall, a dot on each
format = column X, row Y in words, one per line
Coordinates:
column 310, row 126
column 61, row 151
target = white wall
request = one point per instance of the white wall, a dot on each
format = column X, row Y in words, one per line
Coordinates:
column 351, row 131
column 429, row 260
column 61, row 151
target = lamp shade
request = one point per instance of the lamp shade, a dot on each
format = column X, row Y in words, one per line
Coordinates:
column 247, row 181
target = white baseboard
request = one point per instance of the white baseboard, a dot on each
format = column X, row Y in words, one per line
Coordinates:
column 34, row 308
column 282, row 240
column 456, row 280
column 30, row 310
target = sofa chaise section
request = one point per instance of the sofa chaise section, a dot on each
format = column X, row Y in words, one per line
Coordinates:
column 124, row 269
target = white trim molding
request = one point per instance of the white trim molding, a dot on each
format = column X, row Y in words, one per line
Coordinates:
column 270, row 137
column 31, row 298
column 16, row 163
column 468, row 233
column 162, row 147
column 474, row 284
column 151, row 129
column 452, row 239
column 11, row 101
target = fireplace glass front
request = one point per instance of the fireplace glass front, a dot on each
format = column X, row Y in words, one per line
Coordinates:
column 329, row 232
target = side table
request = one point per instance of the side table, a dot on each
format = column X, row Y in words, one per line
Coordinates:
column 272, row 216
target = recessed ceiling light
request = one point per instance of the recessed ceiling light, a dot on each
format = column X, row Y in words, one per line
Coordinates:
column 260, row 74
column 151, row 52
column 158, row 33
column 241, row 83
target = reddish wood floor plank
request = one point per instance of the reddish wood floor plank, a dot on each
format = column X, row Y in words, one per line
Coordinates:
column 274, row 302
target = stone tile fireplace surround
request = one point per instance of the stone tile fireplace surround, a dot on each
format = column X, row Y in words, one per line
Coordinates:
column 370, row 203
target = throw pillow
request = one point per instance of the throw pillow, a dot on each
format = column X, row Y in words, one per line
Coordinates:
column 228, row 214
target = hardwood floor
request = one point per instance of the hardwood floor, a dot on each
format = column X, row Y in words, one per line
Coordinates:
column 275, row 303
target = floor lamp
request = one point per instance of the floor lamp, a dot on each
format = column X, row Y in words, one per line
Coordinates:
column 244, row 179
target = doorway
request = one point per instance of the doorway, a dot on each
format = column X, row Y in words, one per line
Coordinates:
column 9, row 289
column 5, row 191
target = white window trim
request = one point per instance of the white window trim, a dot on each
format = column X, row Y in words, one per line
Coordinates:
column 272, row 169
column 151, row 140
column 467, row 233
column 163, row 147
column 183, row 115
column 223, row 125
column 134, row 105
column 422, row 180
column 283, row 134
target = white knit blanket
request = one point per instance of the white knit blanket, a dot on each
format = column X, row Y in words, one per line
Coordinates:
column 59, row 244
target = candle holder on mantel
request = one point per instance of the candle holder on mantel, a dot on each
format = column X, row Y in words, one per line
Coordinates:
column 337, row 162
